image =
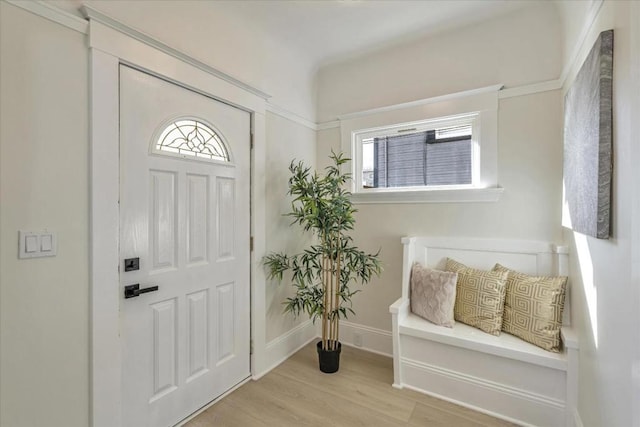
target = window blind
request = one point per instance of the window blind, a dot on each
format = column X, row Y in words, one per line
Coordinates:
column 420, row 159
column 449, row 163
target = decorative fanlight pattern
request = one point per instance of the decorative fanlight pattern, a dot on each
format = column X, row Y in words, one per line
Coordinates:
column 192, row 138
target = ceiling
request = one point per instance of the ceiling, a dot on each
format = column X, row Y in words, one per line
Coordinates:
column 329, row 30
column 336, row 29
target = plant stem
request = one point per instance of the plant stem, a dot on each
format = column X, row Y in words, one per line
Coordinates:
column 337, row 301
column 330, row 297
column 324, row 314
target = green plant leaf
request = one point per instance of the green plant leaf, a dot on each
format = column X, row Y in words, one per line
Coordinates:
column 322, row 273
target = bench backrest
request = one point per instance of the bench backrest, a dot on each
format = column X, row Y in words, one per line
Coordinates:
column 526, row 256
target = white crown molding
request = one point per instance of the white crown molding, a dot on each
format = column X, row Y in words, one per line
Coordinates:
column 52, row 13
column 329, row 125
column 503, row 93
column 530, row 89
column 96, row 15
column 59, row 16
column 592, row 14
column 283, row 112
column 432, row 100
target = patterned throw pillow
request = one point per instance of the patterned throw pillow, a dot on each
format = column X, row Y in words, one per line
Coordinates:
column 533, row 308
column 479, row 297
column 433, row 294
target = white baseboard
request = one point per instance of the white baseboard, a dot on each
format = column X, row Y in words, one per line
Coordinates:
column 367, row 338
column 577, row 421
column 283, row 347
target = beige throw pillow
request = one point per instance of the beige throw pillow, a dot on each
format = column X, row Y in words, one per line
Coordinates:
column 479, row 297
column 533, row 308
column 433, row 294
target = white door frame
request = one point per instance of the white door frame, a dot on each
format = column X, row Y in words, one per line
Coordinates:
column 111, row 44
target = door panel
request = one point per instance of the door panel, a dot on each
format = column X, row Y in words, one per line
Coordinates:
column 226, row 217
column 197, row 218
column 187, row 219
column 163, row 209
column 226, row 317
column 198, row 333
column 165, row 349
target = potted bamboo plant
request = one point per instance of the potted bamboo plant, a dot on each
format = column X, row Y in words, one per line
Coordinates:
column 323, row 273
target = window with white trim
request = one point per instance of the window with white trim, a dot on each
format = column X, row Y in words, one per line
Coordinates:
column 445, row 151
column 434, row 153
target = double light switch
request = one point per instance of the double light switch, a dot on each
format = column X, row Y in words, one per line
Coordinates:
column 37, row 244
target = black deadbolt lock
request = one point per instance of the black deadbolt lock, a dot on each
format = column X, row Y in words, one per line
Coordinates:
column 131, row 264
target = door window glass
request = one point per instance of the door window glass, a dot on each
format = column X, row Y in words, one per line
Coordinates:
column 192, row 138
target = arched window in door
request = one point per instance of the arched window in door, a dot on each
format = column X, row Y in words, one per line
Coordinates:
column 191, row 138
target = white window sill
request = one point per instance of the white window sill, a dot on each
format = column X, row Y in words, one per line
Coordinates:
column 458, row 195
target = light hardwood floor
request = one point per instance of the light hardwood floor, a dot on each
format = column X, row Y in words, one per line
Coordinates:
column 296, row 393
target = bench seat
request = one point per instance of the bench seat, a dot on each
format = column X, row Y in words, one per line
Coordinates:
column 500, row 375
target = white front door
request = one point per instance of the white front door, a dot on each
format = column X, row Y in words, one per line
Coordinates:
column 184, row 227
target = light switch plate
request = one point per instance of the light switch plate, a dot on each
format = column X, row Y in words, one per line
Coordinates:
column 46, row 242
column 31, row 243
column 36, row 244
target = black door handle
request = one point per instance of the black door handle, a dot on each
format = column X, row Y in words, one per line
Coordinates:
column 131, row 291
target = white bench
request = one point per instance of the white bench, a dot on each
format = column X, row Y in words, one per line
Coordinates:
column 502, row 376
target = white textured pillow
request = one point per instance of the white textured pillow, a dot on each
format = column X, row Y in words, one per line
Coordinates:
column 433, row 294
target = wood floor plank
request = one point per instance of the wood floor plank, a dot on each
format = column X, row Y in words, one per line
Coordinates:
column 227, row 414
column 461, row 412
column 424, row 415
column 296, row 393
column 368, row 391
column 321, row 406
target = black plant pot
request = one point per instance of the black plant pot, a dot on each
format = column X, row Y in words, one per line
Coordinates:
column 329, row 359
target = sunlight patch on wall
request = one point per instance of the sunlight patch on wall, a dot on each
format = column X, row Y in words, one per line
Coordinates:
column 590, row 291
column 566, row 212
column 586, row 267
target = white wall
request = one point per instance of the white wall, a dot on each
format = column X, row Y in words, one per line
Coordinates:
column 286, row 141
column 604, row 273
column 515, row 49
column 44, row 303
column 575, row 17
column 44, row 353
column 529, row 138
column 217, row 34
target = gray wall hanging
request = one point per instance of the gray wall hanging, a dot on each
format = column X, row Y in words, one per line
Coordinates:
column 588, row 137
